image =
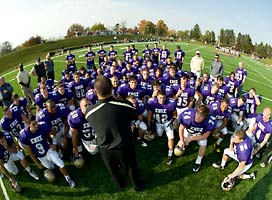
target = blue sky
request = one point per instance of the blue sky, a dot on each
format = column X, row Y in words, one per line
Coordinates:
column 51, row 18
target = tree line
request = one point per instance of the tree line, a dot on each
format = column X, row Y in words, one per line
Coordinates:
column 226, row 37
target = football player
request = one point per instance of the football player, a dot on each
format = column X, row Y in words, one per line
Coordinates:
column 89, row 57
column 164, row 53
column 70, row 61
column 155, row 54
column 179, row 56
column 101, row 54
column 241, row 75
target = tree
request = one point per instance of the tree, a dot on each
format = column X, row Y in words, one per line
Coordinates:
column 239, row 42
column 161, row 28
column 98, row 27
column 32, row 41
column 208, row 37
column 141, row 26
column 227, row 37
column 149, row 28
column 5, row 47
column 195, row 32
column 183, row 35
column 172, row 33
column 75, row 30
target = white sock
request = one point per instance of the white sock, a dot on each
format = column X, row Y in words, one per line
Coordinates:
column 170, row 152
column 223, row 163
column 27, row 169
column 219, row 140
column 67, row 177
column 198, row 160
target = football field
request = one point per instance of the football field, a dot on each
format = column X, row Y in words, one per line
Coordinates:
column 176, row 181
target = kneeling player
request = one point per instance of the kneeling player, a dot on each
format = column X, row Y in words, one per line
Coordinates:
column 35, row 140
column 240, row 149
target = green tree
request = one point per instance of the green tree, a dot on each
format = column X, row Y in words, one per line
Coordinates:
column 183, row 35
column 32, row 41
column 149, row 28
column 161, row 28
column 75, row 30
column 195, row 32
column 141, row 26
column 5, row 47
column 98, row 27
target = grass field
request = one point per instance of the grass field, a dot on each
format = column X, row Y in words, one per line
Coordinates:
column 163, row 182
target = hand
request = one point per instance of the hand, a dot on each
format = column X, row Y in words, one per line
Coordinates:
column 13, row 181
column 75, row 152
column 64, row 142
column 188, row 140
column 231, row 176
column 181, row 144
column 40, row 166
column 54, row 147
column 255, row 151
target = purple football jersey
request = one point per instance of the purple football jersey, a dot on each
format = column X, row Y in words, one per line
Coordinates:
column 40, row 100
column 262, row 129
column 4, row 153
column 90, row 58
column 66, row 97
column 37, row 141
column 233, row 105
column 240, row 74
column 79, row 89
column 243, row 150
column 124, row 90
column 208, row 97
column 232, row 84
column 216, row 111
column 184, row 98
column 127, row 55
column 179, row 54
column 251, row 106
column 77, row 120
column 91, row 96
column 164, row 54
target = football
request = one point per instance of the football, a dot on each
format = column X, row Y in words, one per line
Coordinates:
column 49, row 175
column 79, row 161
column 227, row 184
column 178, row 151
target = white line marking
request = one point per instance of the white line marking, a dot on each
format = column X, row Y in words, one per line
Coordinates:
column 4, row 189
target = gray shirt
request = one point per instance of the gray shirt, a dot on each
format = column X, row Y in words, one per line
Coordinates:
column 217, row 69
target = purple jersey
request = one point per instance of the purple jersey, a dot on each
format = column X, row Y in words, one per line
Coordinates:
column 208, row 97
column 147, row 53
column 140, row 107
column 185, row 97
column 4, row 153
column 112, row 55
column 66, row 81
column 262, row 128
column 40, row 100
column 116, row 73
column 66, row 97
column 164, row 54
column 134, row 51
column 217, row 113
column 90, row 58
column 91, row 96
column 243, row 150
column 187, row 119
column 179, row 54
column 69, row 58
column 146, row 85
column 101, row 54
column 240, row 74
column 155, row 53
column 163, row 112
column 232, row 84
column 22, row 105
column 170, row 80
column 223, row 90
column 15, row 124
column 251, row 106
column 79, row 89
column 233, row 105
column 76, row 120
column 127, row 55
column 127, row 73
column 56, row 120
column 124, row 90
column 37, row 141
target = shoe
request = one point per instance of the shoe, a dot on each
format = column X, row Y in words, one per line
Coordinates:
column 263, row 164
column 142, row 143
column 196, row 167
column 169, row 160
column 1, row 175
column 139, row 187
column 217, row 165
column 252, row 176
column 33, row 174
column 217, row 147
column 71, row 182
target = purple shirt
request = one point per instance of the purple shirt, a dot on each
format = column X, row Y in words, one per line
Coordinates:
column 179, row 54
column 232, row 84
column 223, row 90
column 251, row 106
column 243, row 150
column 146, row 85
column 22, row 105
column 66, row 97
column 127, row 55
column 184, row 98
column 147, row 53
column 77, row 120
column 124, row 90
column 112, row 55
column 69, row 58
column 217, row 113
column 4, row 153
column 101, row 54
column 262, row 128
column 79, row 89
column 187, row 119
column 164, row 54
column 90, row 58
column 15, row 124
column 233, row 105
column 208, row 97
column 91, row 96
column 163, row 112
column 240, row 74
column 37, row 141
column 40, row 100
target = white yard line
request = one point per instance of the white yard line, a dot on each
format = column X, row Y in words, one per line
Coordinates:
column 4, row 189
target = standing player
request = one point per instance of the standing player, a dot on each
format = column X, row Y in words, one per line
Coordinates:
column 89, row 57
column 101, row 54
column 70, row 61
column 233, row 85
column 240, row 149
column 112, row 54
column 164, row 111
column 164, row 53
column 134, row 50
column 81, row 130
column 196, row 125
column 241, row 75
column 127, row 54
column 146, row 52
column 155, row 54
column 179, row 56
column 35, row 140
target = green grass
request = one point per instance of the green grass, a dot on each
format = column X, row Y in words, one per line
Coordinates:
column 163, row 182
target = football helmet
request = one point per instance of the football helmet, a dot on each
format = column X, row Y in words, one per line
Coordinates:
column 179, row 151
column 227, row 184
column 79, row 161
column 49, row 175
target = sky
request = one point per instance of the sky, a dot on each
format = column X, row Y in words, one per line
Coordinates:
column 19, row 20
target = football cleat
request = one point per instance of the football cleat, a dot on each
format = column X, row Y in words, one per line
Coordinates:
column 196, row 167
column 33, row 174
column 71, row 182
column 217, row 165
column 49, row 175
column 142, row 143
column 178, row 151
column 217, row 147
column 227, row 184
column 169, row 160
column 148, row 136
column 79, row 161
column 252, row 176
column 263, row 164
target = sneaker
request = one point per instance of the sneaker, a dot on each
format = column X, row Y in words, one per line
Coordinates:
column 217, row 165
column 33, row 174
column 196, row 167
column 263, row 164
column 252, row 176
column 71, row 182
column 217, row 147
column 169, row 160
column 142, row 143
column 1, row 175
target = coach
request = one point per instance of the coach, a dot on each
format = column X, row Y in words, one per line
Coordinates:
column 111, row 120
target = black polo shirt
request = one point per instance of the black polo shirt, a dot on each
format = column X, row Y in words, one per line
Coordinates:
column 111, row 121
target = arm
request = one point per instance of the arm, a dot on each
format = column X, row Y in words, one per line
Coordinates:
column 5, row 171
column 266, row 138
column 75, row 141
column 33, row 157
column 149, row 118
column 197, row 138
column 237, row 170
column 181, row 142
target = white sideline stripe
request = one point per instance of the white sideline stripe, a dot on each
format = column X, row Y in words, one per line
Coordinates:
column 4, row 189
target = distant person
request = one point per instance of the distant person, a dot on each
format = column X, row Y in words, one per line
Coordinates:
column 39, row 69
column 197, row 64
column 179, row 56
column 155, row 53
column 217, row 68
column 70, row 61
column 112, row 54
column 23, row 78
column 49, row 66
column 114, row 135
column 102, row 53
column 5, row 92
column 89, row 57
column 241, row 75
